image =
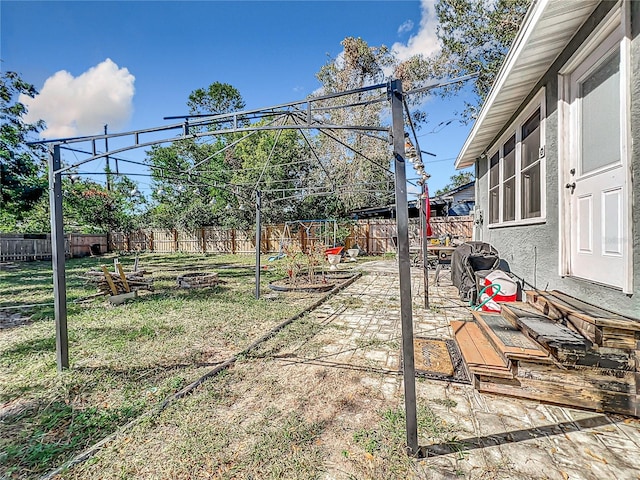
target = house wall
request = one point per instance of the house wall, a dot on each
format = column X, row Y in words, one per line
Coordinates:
column 532, row 251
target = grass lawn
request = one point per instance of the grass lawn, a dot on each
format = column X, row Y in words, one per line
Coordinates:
column 124, row 359
column 275, row 414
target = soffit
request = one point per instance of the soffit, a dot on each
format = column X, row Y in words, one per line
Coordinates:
column 547, row 29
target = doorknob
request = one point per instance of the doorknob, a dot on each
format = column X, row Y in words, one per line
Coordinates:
column 572, row 186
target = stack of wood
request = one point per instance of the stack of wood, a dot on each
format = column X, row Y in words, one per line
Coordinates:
column 555, row 348
column 111, row 283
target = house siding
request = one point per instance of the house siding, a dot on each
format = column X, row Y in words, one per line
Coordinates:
column 532, row 251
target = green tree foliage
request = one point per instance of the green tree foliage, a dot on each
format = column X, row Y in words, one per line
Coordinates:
column 192, row 179
column 90, row 208
column 22, row 178
column 456, row 180
column 354, row 163
column 187, row 201
column 475, row 36
column 216, row 99
column 278, row 164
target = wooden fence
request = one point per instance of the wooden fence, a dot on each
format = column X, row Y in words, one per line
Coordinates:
column 376, row 237
column 20, row 247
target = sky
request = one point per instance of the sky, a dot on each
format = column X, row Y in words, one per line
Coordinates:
column 129, row 64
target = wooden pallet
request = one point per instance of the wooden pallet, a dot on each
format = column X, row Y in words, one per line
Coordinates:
column 566, row 346
column 592, row 389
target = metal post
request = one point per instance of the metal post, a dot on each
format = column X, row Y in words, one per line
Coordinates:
column 404, row 266
column 425, row 243
column 58, row 259
column 108, row 168
column 258, row 237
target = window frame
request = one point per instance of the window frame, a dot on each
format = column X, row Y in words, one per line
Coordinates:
column 515, row 129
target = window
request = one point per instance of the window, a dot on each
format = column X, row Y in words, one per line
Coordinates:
column 516, row 170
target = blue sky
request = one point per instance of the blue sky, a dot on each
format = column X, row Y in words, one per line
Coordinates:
column 161, row 51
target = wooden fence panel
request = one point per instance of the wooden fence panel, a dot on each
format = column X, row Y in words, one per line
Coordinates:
column 188, row 241
column 24, row 247
column 454, row 226
column 218, row 240
column 374, row 236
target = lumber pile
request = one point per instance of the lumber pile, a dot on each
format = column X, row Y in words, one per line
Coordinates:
column 116, row 283
column 557, row 349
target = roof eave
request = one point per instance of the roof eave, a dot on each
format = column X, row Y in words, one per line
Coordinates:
column 534, row 71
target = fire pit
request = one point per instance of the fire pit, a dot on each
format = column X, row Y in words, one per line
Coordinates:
column 198, row 280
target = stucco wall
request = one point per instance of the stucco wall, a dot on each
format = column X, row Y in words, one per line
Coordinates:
column 532, row 251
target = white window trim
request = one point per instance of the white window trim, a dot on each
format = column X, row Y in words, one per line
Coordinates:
column 537, row 102
column 619, row 18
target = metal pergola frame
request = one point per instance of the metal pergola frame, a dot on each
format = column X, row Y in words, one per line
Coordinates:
column 303, row 111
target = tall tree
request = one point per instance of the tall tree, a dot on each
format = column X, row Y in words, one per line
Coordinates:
column 197, row 199
column 455, row 181
column 475, row 36
column 354, row 161
column 22, row 179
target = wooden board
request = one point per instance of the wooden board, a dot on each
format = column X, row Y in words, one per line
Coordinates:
column 578, row 388
column 107, row 276
column 590, row 313
column 589, row 330
column 551, row 335
column 123, row 277
column 617, row 338
column 477, row 351
column 567, row 346
column 508, row 340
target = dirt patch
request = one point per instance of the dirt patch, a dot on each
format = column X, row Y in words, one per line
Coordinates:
column 9, row 319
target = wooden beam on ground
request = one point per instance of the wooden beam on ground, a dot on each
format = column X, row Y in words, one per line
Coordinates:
column 107, row 276
column 123, row 277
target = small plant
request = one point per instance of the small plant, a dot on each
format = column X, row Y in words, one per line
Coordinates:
column 445, row 402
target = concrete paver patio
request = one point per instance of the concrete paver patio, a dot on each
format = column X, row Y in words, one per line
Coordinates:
column 500, row 437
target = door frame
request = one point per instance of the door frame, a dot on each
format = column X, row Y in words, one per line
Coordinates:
column 616, row 24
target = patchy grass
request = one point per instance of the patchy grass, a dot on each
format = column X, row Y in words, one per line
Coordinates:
column 124, row 359
column 285, row 410
column 382, row 449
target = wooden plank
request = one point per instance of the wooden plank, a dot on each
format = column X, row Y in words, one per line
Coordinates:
column 589, row 378
column 547, row 392
column 508, row 340
column 590, row 313
column 553, row 336
column 123, row 277
column 578, row 324
column 477, row 351
column 567, row 346
column 618, row 338
column 107, row 276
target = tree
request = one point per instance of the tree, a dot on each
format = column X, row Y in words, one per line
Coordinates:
column 475, row 36
column 22, row 179
column 194, row 200
column 90, row 208
column 456, row 180
column 353, row 161
column 216, row 99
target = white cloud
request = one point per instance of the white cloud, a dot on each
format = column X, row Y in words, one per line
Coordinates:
column 405, row 27
column 82, row 105
column 425, row 41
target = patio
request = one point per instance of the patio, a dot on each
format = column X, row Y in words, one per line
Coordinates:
column 497, row 437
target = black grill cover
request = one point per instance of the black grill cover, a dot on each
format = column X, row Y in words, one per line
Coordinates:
column 467, row 259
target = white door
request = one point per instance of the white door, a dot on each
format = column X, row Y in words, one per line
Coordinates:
column 596, row 187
